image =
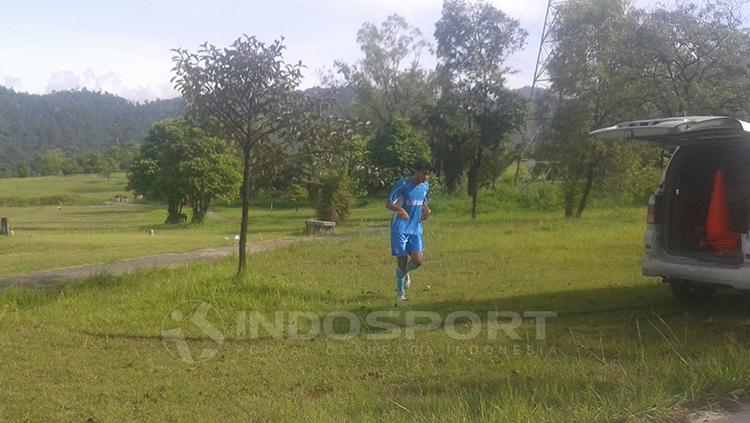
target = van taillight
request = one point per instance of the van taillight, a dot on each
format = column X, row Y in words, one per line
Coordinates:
column 651, row 217
column 653, row 209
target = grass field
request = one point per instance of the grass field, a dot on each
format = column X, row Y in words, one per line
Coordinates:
column 620, row 349
column 86, row 230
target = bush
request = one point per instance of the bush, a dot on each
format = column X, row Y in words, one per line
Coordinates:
column 540, row 196
column 631, row 176
column 332, row 196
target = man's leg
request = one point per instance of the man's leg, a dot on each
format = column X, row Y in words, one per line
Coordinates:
column 415, row 247
column 401, row 276
column 402, row 262
column 417, row 258
column 398, row 250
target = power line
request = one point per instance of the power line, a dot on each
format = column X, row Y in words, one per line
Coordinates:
column 546, row 46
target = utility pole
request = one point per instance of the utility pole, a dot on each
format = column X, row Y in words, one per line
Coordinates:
column 546, row 45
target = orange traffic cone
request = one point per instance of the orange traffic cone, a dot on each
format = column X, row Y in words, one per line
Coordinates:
column 718, row 232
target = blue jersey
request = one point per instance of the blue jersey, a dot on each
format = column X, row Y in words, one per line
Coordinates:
column 409, row 196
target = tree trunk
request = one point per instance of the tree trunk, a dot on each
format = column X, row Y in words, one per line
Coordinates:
column 245, row 193
column 474, row 205
column 518, row 170
column 586, row 188
column 174, row 210
column 570, row 199
column 568, row 209
column 474, row 181
column 200, row 208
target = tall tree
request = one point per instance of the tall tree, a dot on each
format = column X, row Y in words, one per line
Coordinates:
column 180, row 163
column 388, row 81
column 154, row 172
column 473, row 43
column 685, row 60
column 393, row 150
column 593, row 84
column 50, row 162
column 209, row 171
column 694, row 60
column 249, row 89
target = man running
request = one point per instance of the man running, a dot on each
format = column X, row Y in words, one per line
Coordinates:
column 408, row 201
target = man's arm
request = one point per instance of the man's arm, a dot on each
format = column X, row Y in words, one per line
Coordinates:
column 426, row 212
column 392, row 201
column 394, row 208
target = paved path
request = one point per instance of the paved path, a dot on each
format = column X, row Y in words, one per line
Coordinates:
column 55, row 276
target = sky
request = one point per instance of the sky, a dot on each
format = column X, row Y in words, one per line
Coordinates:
column 124, row 47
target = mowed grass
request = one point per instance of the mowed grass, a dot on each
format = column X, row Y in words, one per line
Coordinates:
column 79, row 189
column 619, row 350
column 88, row 231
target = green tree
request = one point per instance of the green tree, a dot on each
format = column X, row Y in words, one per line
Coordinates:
column 92, row 163
column 473, row 43
column 389, row 80
column 107, row 166
column 272, row 170
column 692, row 59
column 593, row 84
column 50, row 162
column 179, row 162
column 210, row 171
column 564, row 140
column 394, row 149
column 325, row 143
column 70, row 166
column 449, row 135
column 123, row 154
column 249, row 90
column 154, row 174
column 22, row 169
column 684, row 60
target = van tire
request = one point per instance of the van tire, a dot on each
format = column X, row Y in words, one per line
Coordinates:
column 687, row 292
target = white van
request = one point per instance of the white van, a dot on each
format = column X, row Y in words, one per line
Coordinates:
column 676, row 246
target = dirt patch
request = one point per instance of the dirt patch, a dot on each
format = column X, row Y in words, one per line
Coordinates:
column 740, row 416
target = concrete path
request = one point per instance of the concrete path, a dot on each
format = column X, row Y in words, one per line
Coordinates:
column 51, row 277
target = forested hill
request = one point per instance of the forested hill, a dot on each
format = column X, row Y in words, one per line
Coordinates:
column 74, row 121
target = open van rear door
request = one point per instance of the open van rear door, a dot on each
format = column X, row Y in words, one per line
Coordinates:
column 678, row 131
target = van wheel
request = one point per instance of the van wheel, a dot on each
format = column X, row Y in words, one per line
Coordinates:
column 687, row 292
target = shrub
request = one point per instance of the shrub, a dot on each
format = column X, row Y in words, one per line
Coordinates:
column 332, row 195
column 540, row 196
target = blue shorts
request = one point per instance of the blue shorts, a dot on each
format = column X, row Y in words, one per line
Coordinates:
column 405, row 244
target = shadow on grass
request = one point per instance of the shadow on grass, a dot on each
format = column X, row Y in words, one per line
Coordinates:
column 597, row 306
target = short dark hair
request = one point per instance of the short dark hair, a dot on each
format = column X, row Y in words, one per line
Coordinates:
column 422, row 166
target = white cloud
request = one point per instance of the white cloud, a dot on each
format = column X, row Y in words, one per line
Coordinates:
column 110, row 82
column 63, row 80
column 12, row 82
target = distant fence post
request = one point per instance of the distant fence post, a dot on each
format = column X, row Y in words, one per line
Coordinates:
column 4, row 226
